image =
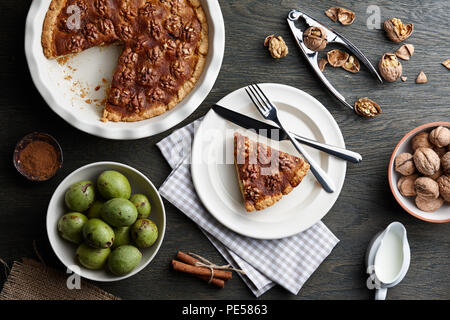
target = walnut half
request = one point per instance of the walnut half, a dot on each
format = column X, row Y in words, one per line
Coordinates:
column 367, row 108
column 396, row 30
column 277, row 47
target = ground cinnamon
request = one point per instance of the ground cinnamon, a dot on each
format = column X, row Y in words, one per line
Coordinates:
column 39, row 159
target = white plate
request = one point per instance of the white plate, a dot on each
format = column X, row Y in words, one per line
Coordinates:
column 66, row 87
column 214, row 175
column 65, row 250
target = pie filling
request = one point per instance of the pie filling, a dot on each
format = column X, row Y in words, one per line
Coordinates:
column 265, row 174
column 165, row 45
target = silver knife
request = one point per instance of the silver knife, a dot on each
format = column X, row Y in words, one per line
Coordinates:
column 273, row 132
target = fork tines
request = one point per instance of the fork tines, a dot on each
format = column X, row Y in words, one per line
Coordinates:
column 259, row 99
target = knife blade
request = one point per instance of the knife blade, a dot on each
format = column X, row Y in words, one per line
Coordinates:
column 274, row 133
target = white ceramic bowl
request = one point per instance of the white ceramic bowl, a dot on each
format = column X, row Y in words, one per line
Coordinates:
column 56, row 208
column 67, row 87
column 407, row 203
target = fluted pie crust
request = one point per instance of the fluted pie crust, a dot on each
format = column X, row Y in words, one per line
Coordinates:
column 165, row 47
column 265, row 174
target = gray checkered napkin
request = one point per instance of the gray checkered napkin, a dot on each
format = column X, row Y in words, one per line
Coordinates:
column 288, row 262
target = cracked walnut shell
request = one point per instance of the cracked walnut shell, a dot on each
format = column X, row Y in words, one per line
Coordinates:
column 322, row 63
column 396, row 30
column 344, row 16
column 277, row 47
column 337, row 58
column 367, row 108
column 405, row 52
column 352, row 65
column 446, row 63
column 315, row 38
column 421, row 78
column 390, row 68
column 332, row 13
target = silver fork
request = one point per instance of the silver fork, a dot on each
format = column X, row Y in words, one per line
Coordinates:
column 270, row 112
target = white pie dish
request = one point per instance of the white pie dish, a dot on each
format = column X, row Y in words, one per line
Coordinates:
column 70, row 88
column 214, row 175
column 65, row 250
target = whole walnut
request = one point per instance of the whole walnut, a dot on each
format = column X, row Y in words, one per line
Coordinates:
column 427, row 161
column 404, row 164
column 315, row 38
column 406, row 185
column 426, row 188
column 444, row 187
column 429, row 205
column 421, row 140
column 440, row 136
column 445, row 162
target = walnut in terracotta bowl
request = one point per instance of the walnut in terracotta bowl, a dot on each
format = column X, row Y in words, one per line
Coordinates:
column 416, row 173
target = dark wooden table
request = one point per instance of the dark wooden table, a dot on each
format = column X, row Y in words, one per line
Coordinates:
column 365, row 205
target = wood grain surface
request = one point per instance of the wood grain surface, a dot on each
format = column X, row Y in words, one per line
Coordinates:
column 365, row 206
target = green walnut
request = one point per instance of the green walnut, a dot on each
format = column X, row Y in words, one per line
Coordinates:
column 98, row 234
column 144, row 233
column 80, row 196
column 113, row 184
column 92, row 258
column 124, row 259
column 70, row 226
column 94, row 210
column 142, row 205
column 119, row 212
column 122, row 236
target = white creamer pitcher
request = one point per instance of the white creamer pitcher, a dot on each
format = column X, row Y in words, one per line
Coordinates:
column 387, row 258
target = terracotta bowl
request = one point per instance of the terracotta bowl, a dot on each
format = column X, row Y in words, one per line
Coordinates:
column 407, row 203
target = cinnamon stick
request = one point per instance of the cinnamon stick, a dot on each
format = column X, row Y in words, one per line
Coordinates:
column 200, row 271
column 192, row 261
column 215, row 281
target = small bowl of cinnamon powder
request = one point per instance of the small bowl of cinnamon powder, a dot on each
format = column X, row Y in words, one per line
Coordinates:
column 38, row 156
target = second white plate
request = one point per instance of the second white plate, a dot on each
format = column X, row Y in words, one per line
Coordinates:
column 214, row 175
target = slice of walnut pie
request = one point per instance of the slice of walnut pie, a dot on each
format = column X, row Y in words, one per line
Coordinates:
column 265, row 174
